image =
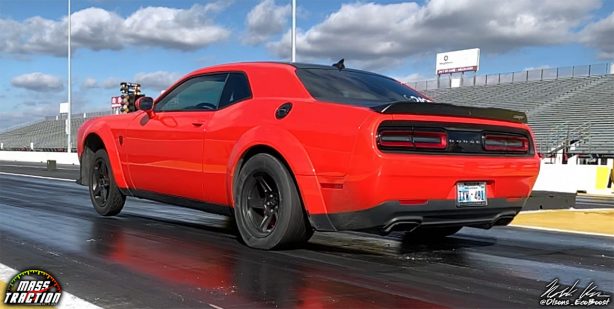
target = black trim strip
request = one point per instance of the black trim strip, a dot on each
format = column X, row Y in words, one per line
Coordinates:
column 435, row 213
column 446, row 109
column 180, row 201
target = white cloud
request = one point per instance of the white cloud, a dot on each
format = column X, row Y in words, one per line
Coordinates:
column 89, row 83
column 96, row 29
column 175, row 28
column 539, row 67
column 383, row 35
column 38, row 81
column 158, row 80
column 34, row 35
column 601, row 36
column 99, row 29
column 410, row 78
column 265, row 20
column 109, row 83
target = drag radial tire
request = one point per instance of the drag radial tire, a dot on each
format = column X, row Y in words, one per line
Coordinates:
column 105, row 196
column 268, row 208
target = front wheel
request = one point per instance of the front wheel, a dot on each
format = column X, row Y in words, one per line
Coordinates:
column 268, row 208
column 104, row 193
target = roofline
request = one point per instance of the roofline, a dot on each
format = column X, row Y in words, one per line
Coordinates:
column 298, row 65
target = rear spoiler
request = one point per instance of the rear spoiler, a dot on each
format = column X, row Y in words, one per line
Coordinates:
column 445, row 109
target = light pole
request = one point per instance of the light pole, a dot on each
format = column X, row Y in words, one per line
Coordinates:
column 68, row 118
column 293, row 30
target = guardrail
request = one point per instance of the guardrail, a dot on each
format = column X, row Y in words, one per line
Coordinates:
column 445, row 81
column 566, row 135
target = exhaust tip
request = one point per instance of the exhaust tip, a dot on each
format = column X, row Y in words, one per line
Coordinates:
column 402, row 225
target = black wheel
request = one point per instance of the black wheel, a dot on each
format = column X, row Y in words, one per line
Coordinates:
column 105, row 196
column 425, row 234
column 268, row 208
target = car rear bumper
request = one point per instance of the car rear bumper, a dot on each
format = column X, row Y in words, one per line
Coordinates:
column 392, row 215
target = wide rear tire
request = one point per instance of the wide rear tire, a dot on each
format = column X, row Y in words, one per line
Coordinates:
column 268, row 208
column 104, row 193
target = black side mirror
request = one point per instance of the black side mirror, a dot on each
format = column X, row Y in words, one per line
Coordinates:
column 146, row 104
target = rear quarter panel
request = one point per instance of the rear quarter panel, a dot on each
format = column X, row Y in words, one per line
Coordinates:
column 314, row 139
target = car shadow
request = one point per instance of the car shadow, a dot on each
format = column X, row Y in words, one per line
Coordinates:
column 411, row 244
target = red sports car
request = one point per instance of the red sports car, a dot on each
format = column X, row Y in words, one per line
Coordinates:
column 288, row 148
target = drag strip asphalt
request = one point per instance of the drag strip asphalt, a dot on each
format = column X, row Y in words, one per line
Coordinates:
column 156, row 255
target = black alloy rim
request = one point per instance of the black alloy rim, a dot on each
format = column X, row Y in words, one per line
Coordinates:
column 101, row 182
column 261, row 205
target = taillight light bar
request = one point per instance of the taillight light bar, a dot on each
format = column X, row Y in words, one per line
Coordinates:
column 405, row 139
column 505, row 143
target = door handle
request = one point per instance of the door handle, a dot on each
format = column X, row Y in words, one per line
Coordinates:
column 197, row 124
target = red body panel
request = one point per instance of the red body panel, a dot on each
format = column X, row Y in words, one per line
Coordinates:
column 376, row 177
column 109, row 129
column 330, row 149
column 165, row 154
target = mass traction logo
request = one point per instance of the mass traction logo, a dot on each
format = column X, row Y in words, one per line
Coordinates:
column 33, row 287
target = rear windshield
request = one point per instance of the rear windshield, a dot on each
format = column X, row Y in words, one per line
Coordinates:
column 355, row 87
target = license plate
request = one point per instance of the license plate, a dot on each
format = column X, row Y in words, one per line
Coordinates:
column 471, row 194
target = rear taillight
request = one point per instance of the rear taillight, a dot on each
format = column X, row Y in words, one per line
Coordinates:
column 505, row 143
column 430, row 140
column 404, row 139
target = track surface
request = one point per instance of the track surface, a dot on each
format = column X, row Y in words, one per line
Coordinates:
column 155, row 255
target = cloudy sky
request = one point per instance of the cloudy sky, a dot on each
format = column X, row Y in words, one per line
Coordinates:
column 154, row 42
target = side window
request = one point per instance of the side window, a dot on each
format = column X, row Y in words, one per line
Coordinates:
column 237, row 89
column 198, row 93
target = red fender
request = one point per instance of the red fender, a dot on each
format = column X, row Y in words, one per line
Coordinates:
column 102, row 130
column 292, row 151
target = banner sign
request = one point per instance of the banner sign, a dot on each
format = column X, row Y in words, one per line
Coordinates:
column 458, row 61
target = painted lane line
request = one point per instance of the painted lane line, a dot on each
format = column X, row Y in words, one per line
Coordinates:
column 549, row 229
column 34, row 176
column 566, row 209
column 68, row 300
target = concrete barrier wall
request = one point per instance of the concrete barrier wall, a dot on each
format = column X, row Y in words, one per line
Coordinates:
column 572, row 178
column 34, row 156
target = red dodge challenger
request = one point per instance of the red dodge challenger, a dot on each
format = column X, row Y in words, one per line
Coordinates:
column 288, row 148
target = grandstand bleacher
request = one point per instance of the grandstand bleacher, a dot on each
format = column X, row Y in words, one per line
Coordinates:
column 560, row 111
column 45, row 135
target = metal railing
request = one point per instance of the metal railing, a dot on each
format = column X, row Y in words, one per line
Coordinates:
column 576, row 71
column 79, row 115
column 565, row 135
